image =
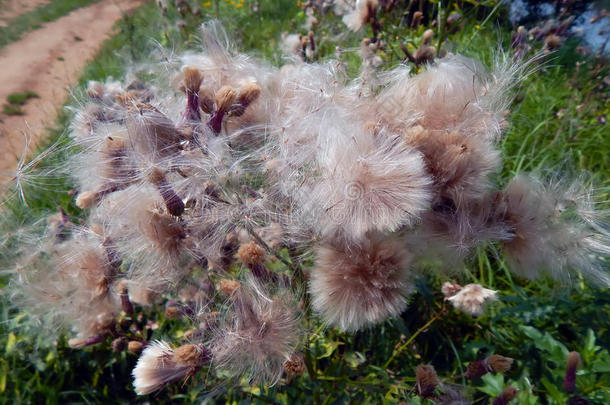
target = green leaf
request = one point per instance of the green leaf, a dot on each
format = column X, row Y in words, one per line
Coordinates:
column 329, row 348
column 553, row 391
column 494, row 384
column 602, row 363
column 558, row 353
column 589, row 347
column 354, row 359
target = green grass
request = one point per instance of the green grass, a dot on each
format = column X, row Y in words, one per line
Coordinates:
column 554, row 121
column 21, row 98
column 10, row 109
column 36, row 18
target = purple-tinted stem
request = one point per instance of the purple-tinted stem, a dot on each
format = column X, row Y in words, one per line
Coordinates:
column 191, row 113
column 569, row 382
column 174, row 204
column 94, row 340
column 126, row 304
column 215, row 122
column 262, row 273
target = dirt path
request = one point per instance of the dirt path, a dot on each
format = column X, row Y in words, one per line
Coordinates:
column 10, row 9
column 48, row 61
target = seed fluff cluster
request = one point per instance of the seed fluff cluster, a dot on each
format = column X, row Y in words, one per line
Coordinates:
column 206, row 196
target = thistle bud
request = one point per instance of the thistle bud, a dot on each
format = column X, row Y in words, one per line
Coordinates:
column 228, row 287
column 508, row 394
column 552, row 42
column 223, row 100
column 246, row 96
column 426, row 380
column 295, row 366
column 126, row 304
column 206, row 101
column 428, row 35
column 79, row 343
column 192, row 355
column 87, row 199
column 417, row 16
column 476, row 369
column 191, row 84
column 251, row 253
column 569, row 382
column 174, row 204
column 499, row 364
column 119, row 344
column 160, row 365
column 135, row 347
column 424, row 54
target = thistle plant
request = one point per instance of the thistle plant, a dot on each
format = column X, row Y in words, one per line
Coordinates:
column 209, row 199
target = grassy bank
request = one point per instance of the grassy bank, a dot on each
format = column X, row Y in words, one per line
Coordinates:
column 34, row 19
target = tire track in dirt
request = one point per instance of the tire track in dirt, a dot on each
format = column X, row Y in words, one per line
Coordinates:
column 49, row 61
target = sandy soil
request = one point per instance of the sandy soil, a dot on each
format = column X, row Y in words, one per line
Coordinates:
column 48, row 61
column 9, row 9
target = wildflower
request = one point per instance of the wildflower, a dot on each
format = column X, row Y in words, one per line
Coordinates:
column 160, row 365
column 472, row 298
column 360, row 285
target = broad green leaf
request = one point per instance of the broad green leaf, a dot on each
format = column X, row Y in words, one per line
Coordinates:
column 558, row 353
column 494, row 384
column 553, row 391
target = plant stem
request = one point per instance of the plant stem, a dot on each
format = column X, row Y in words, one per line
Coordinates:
column 400, row 348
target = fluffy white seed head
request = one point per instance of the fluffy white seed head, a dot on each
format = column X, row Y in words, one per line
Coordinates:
column 160, row 365
column 472, row 299
column 258, row 335
column 357, row 286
